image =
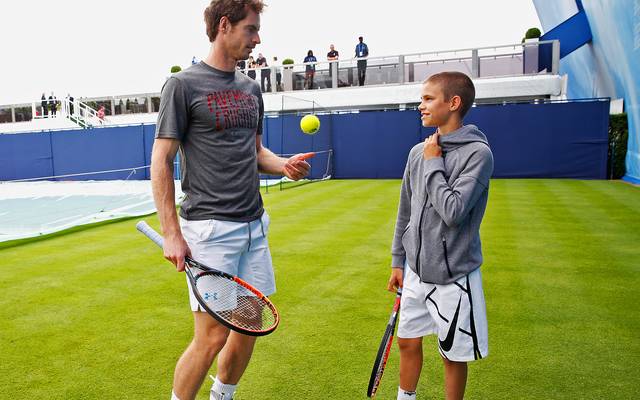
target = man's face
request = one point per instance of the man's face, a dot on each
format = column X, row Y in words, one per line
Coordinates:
column 331, row 47
column 434, row 109
column 243, row 37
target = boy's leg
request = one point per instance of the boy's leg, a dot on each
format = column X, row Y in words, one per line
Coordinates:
column 410, row 362
column 455, row 379
column 415, row 322
column 209, row 338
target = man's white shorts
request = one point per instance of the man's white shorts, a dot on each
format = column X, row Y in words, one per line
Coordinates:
column 237, row 248
column 455, row 312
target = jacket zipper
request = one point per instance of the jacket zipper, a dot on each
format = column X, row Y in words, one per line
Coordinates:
column 420, row 239
column 446, row 257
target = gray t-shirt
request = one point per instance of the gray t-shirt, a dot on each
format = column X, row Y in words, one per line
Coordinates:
column 216, row 115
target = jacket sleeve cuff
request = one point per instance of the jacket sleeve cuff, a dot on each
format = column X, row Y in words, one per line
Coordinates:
column 397, row 261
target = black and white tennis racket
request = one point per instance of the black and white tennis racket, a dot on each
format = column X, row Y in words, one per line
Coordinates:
column 384, row 349
column 230, row 300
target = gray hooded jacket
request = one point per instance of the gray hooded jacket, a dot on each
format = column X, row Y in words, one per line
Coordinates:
column 442, row 202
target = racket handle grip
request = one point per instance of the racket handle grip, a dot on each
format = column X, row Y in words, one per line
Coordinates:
column 149, row 232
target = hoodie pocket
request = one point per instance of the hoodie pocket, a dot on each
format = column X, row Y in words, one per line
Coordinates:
column 446, row 256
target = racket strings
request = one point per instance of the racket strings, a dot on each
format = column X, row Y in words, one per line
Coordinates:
column 235, row 303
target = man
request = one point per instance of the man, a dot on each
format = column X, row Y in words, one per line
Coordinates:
column 53, row 105
column 332, row 57
column 265, row 73
column 362, row 52
column 213, row 115
column 275, row 65
column 44, row 105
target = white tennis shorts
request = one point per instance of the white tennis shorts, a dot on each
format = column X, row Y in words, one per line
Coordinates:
column 455, row 312
column 237, row 248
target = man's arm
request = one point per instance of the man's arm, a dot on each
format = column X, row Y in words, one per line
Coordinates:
column 164, row 152
column 294, row 167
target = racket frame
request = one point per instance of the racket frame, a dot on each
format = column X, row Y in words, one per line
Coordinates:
column 148, row 231
column 384, row 349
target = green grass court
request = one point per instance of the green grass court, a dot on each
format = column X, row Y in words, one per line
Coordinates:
column 98, row 314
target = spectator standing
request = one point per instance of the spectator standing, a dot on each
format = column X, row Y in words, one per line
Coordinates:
column 43, row 103
column 70, row 102
column 241, row 65
column 53, row 104
column 310, row 69
column 275, row 65
column 362, row 52
column 265, row 74
column 332, row 57
column 101, row 115
column 251, row 72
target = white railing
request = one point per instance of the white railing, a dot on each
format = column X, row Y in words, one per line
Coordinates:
column 482, row 62
column 76, row 111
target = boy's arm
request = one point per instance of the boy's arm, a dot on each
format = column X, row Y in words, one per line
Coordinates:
column 453, row 202
column 404, row 214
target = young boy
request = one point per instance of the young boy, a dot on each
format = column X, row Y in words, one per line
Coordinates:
column 436, row 252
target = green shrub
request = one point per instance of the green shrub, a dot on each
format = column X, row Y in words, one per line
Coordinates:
column 532, row 33
column 175, row 68
column 288, row 61
column 618, row 137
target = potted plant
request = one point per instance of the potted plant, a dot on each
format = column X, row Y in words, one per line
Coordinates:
column 287, row 73
column 175, row 68
column 530, row 52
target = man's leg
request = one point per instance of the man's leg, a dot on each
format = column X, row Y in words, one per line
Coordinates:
column 208, row 339
column 410, row 363
column 234, row 357
column 455, row 379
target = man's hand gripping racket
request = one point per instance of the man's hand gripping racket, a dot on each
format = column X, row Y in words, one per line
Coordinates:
column 230, row 300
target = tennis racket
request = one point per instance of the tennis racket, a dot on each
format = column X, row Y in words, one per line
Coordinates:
column 230, row 300
column 384, row 349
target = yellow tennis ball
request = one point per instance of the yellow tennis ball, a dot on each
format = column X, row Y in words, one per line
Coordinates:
column 310, row 124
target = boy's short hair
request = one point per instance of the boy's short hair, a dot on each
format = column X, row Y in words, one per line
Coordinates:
column 456, row 84
column 234, row 10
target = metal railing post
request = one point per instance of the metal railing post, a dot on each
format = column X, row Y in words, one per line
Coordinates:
column 401, row 79
column 334, row 74
column 274, row 81
column 555, row 57
column 475, row 64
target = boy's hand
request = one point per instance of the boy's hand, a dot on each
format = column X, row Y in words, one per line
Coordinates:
column 431, row 147
column 395, row 280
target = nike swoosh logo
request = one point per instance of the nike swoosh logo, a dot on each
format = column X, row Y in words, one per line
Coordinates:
column 447, row 343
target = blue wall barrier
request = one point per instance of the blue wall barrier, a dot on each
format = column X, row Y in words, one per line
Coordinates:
column 552, row 140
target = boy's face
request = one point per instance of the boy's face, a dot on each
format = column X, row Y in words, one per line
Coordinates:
column 243, row 37
column 434, row 109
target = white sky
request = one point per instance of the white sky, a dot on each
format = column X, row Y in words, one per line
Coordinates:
column 115, row 47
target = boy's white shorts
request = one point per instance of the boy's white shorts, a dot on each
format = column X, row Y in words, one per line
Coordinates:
column 237, row 248
column 455, row 312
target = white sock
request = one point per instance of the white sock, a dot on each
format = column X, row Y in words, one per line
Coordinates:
column 405, row 394
column 221, row 391
column 173, row 396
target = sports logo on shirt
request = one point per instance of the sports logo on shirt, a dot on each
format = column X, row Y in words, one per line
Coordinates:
column 233, row 109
